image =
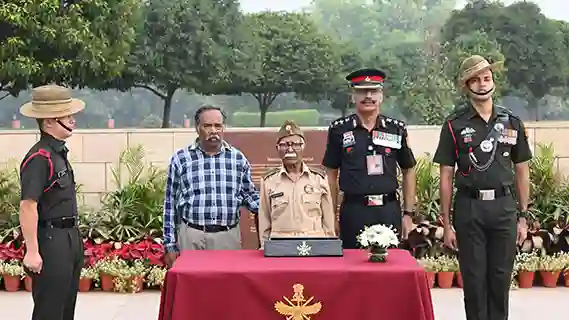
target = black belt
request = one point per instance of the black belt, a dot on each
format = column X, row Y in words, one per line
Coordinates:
column 370, row 199
column 485, row 194
column 59, row 223
column 209, row 228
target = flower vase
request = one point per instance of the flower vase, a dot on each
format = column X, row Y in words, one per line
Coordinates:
column 107, row 282
column 431, row 279
column 28, row 283
column 11, row 283
column 566, row 278
column 550, row 278
column 525, row 279
column 85, row 284
column 377, row 254
column 459, row 282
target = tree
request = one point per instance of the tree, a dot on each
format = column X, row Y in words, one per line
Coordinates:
column 79, row 44
column 184, row 44
column 534, row 46
column 290, row 55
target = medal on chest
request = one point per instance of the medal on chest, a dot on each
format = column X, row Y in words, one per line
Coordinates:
column 486, row 146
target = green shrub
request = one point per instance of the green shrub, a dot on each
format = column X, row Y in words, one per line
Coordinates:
column 305, row 117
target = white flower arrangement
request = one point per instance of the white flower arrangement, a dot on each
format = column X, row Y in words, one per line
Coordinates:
column 378, row 236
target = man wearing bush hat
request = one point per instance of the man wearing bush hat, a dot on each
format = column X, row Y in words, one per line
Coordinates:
column 366, row 149
column 482, row 140
column 48, row 207
column 295, row 198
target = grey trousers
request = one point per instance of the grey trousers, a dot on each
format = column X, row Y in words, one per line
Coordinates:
column 193, row 239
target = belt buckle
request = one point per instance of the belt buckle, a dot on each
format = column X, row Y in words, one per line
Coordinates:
column 375, row 200
column 487, row 195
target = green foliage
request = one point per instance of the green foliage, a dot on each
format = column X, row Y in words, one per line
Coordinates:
column 134, row 210
column 549, row 189
column 427, row 189
column 290, row 55
column 9, row 202
column 190, row 44
column 306, row 117
column 83, row 44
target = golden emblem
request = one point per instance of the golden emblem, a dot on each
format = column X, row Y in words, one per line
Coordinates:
column 298, row 308
column 303, row 249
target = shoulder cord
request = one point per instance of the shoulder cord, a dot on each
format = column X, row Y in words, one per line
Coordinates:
column 493, row 138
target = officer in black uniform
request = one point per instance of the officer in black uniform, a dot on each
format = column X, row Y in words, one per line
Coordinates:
column 483, row 140
column 367, row 148
column 48, row 208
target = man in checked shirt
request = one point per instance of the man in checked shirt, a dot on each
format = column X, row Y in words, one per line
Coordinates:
column 207, row 184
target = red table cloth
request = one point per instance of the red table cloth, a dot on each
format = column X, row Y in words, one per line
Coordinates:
column 243, row 284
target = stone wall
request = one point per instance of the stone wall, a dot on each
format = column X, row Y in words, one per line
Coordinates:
column 95, row 152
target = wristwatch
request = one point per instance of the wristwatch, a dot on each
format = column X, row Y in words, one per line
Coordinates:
column 522, row 214
column 408, row 213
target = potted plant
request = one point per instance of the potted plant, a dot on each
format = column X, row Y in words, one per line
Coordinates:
column 130, row 278
column 377, row 239
column 447, row 267
column 156, row 276
column 550, row 268
column 12, row 272
column 566, row 271
column 28, row 283
column 526, row 265
column 430, row 265
column 108, row 269
column 88, row 274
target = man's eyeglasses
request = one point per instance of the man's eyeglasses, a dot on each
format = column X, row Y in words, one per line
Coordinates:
column 286, row 145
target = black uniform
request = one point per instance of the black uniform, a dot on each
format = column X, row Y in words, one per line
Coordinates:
column 47, row 177
column 368, row 172
column 485, row 210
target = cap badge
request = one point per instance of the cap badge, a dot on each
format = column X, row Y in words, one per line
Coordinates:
column 288, row 128
column 368, row 79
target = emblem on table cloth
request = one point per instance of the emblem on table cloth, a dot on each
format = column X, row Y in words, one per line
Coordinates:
column 303, row 249
column 298, row 308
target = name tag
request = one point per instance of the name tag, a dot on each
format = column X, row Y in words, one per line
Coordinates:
column 385, row 139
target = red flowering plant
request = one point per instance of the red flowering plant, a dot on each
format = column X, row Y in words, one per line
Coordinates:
column 11, row 251
column 94, row 252
column 147, row 249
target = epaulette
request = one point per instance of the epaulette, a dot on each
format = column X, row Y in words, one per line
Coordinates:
column 318, row 170
column 506, row 111
column 270, row 172
column 458, row 112
column 338, row 122
column 396, row 122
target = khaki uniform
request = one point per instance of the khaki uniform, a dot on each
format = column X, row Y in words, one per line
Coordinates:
column 295, row 208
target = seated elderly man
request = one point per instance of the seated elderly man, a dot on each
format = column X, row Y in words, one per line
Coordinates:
column 295, row 199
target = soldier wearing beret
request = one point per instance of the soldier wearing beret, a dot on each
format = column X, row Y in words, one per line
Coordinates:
column 366, row 149
column 295, row 198
column 48, row 207
column 483, row 141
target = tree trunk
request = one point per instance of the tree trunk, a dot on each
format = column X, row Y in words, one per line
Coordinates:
column 167, row 108
column 265, row 100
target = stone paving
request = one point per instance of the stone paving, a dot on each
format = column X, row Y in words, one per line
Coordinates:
column 526, row 304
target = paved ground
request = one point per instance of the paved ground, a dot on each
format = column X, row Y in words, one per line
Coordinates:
column 526, row 304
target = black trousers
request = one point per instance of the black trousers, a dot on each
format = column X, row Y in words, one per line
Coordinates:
column 355, row 216
column 54, row 289
column 486, row 238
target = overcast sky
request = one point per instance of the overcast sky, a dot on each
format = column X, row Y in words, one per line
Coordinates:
column 552, row 8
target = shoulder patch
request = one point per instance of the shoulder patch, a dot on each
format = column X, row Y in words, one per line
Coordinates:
column 270, row 172
column 339, row 122
column 396, row 122
column 318, row 170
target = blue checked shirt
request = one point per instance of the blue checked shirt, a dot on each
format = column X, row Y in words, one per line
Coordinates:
column 207, row 190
